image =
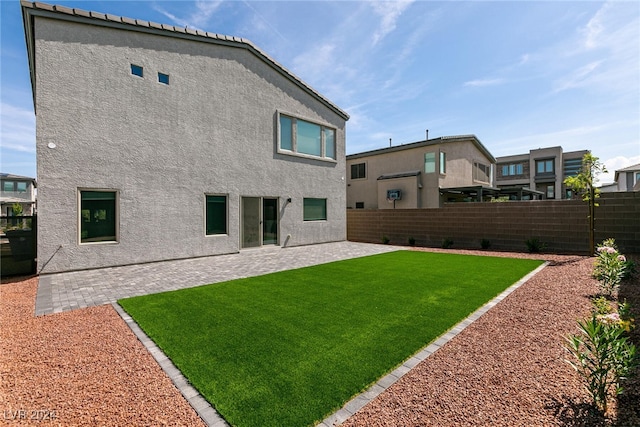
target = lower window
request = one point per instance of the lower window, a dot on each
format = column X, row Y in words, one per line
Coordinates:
column 98, row 216
column 315, row 209
column 216, row 215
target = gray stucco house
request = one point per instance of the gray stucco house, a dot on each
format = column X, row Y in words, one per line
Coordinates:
column 157, row 142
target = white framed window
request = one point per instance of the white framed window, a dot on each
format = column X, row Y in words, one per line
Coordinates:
column 305, row 138
column 98, row 216
column 429, row 162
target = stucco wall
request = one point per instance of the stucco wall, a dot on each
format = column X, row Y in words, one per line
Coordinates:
column 460, row 156
column 212, row 130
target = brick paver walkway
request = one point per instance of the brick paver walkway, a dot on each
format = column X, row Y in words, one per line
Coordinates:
column 78, row 289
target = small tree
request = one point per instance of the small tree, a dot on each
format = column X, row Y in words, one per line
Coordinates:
column 16, row 208
column 583, row 184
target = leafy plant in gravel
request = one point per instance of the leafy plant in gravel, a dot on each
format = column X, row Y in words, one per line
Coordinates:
column 609, row 268
column 604, row 355
column 534, row 245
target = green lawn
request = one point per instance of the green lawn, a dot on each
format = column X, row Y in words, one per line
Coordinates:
column 289, row 348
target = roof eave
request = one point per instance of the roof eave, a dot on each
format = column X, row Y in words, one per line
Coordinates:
column 31, row 9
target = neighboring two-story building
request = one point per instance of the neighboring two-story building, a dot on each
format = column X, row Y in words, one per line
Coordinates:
column 16, row 189
column 538, row 174
column 626, row 179
column 157, row 142
column 423, row 174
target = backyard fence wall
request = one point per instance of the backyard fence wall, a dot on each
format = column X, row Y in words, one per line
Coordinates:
column 561, row 225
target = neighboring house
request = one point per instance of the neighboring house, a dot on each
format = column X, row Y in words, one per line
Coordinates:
column 17, row 189
column 423, row 174
column 539, row 173
column 627, row 179
column 157, row 142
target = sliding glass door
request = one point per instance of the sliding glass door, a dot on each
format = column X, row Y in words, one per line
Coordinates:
column 259, row 221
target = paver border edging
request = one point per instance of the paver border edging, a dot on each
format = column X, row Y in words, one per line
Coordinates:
column 355, row 404
column 213, row 419
column 204, row 409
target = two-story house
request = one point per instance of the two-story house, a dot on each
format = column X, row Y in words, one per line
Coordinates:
column 16, row 189
column 423, row 174
column 626, row 179
column 157, row 142
column 538, row 174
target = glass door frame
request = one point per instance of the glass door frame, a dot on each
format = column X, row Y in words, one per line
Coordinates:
column 251, row 216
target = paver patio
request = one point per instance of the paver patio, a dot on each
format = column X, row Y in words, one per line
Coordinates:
column 60, row 292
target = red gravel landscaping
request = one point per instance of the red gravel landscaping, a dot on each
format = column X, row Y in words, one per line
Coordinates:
column 86, row 367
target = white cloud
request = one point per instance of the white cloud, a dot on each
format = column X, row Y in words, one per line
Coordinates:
column 389, row 11
column 485, row 82
column 18, row 130
column 199, row 18
column 579, row 77
column 614, row 164
column 594, row 28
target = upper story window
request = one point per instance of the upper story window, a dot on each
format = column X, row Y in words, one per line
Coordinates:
column 637, row 177
column 163, row 78
column 481, row 172
column 429, row 162
column 544, row 166
column 14, row 186
column 512, row 169
column 306, row 138
column 358, row 171
column 137, row 70
column 443, row 162
column 572, row 167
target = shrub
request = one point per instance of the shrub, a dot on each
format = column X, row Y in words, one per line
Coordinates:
column 385, row 240
column 412, row 241
column 604, row 356
column 447, row 243
column 534, row 245
column 485, row 244
column 609, row 268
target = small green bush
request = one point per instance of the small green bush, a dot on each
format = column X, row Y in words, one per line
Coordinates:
column 447, row 243
column 534, row 245
column 412, row 241
column 385, row 240
column 610, row 266
column 485, row 244
column 604, row 356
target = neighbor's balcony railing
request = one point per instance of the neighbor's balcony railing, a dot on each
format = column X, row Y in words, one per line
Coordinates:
column 23, row 195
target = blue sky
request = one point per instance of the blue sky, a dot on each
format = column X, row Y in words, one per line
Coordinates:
column 519, row 75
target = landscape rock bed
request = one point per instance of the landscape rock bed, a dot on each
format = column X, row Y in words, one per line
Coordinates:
column 508, row 368
column 79, row 368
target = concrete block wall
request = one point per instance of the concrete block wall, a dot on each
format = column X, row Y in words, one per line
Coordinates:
column 562, row 225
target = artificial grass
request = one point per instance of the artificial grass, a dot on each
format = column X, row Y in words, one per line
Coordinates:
column 289, row 348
